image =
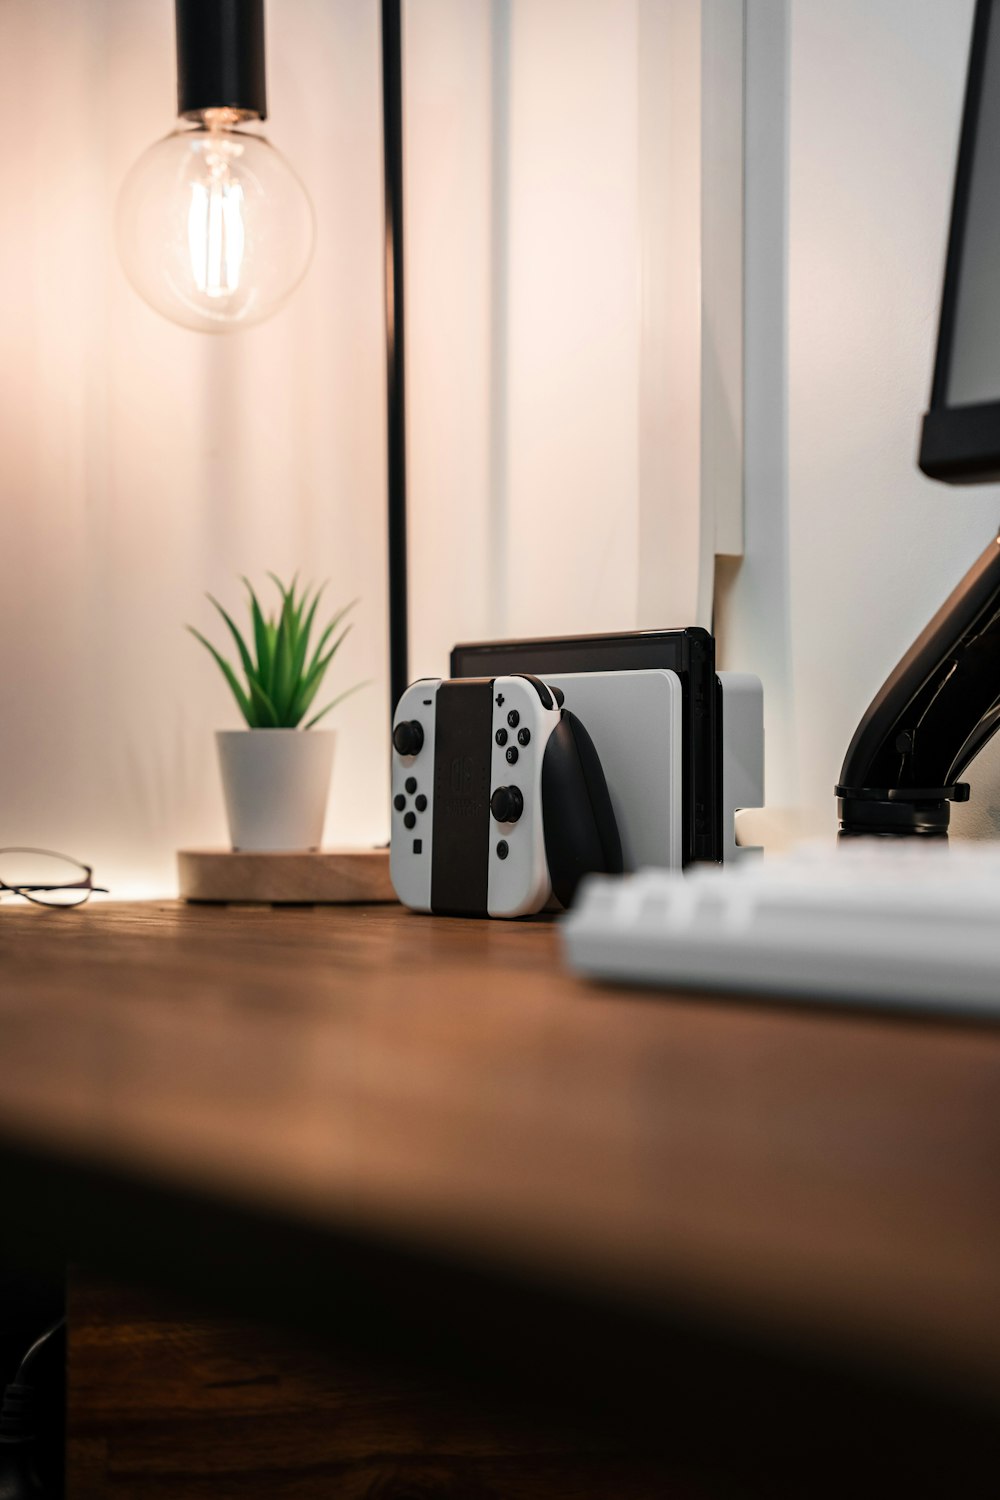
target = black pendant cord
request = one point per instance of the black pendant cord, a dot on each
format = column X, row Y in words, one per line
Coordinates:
column 392, row 147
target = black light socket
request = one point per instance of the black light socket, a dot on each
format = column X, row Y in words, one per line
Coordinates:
column 220, row 57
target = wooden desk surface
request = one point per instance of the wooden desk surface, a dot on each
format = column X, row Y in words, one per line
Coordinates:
column 446, row 1084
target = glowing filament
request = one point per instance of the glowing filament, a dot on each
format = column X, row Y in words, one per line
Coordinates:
column 215, row 235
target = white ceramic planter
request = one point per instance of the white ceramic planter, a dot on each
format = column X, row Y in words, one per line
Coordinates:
column 276, row 783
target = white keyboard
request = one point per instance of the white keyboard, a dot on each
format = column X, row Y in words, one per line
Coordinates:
column 909, row 925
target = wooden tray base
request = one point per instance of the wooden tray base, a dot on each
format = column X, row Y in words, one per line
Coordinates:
column 328, row 877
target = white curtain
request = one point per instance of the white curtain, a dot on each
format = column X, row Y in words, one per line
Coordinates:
column 141, row 464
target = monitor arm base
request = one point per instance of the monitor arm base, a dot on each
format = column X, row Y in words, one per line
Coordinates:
column 894, row 812
column 930, row 718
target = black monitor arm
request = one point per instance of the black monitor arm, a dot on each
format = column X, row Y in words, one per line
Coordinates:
column 930, row 718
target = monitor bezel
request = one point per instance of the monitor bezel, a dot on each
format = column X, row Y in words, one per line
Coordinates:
column 961, row 444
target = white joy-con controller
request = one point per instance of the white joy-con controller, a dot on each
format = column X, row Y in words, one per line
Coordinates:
column 411, row 840
column 467, row 828
column 523, row 719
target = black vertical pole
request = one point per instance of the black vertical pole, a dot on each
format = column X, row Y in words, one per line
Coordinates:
column 392, row 148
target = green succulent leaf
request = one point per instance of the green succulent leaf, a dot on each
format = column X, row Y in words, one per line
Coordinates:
column 302, row 645
column 283, row 682
column 271, row 631
column 245, row 656
column 313, row 679
column 295, row 609
column 260, row 634
column 265, row 714
column 303, row 699
column 324, row 711
column 229, row 674
column 284, row 670
column 328, row 632
column 285, row 592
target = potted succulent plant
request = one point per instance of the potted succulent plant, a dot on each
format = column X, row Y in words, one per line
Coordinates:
column 276, row 772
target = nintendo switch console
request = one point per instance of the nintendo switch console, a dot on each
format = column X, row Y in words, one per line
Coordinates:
column 635, row 720
column 721, row 731
column 499, row 800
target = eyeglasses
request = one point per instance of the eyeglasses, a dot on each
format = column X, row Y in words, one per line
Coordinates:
column 46, row 878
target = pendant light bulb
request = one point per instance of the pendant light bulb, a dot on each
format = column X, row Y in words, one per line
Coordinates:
column 214, row 228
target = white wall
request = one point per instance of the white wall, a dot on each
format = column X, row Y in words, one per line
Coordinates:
column 523, row 318
column 853, row 117
column 527, row 299
column 141, row 464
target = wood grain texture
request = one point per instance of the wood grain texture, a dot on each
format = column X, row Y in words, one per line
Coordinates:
column 166, row 1403
column 310, row 877
column 447, row 1083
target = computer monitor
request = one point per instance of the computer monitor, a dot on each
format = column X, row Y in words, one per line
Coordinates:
column 960, row 441
column 941, row 703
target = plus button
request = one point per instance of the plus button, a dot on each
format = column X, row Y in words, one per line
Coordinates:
column 500, row 700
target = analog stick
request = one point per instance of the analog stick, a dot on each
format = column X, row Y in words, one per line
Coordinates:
column 507, row 804
column 408, row 737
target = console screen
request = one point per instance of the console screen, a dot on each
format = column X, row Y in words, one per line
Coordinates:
column 974, row 365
